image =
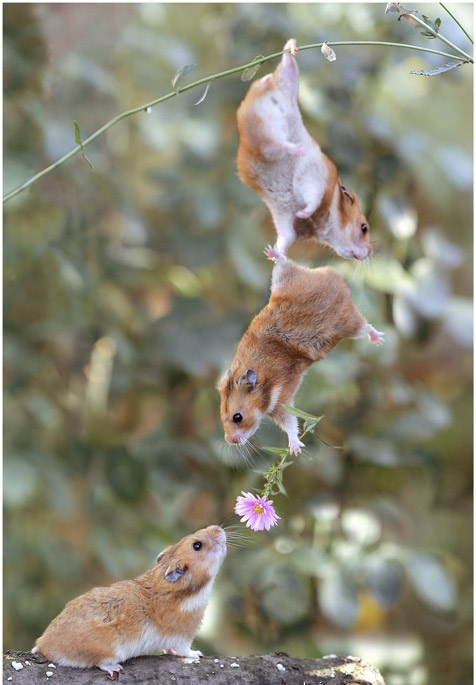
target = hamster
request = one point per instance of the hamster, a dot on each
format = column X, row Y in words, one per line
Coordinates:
column 280, row 161
column 160, row 609
column 309, row 312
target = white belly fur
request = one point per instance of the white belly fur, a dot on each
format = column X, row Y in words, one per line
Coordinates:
column 152, row 641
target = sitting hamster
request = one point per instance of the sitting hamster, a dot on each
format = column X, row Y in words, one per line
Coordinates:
column 280, row 161
column 160, row 609
column 309, row 312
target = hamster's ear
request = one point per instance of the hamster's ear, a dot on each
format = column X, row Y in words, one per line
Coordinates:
column 251, row 378
column 347, row 194
column 248, row 380
column 173, row 573
column 223, row 381
column 161, row 555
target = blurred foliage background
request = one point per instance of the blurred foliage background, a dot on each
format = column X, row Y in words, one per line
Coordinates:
column 127, row 288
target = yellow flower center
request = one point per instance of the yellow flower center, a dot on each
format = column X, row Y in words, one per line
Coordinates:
column 258, row 508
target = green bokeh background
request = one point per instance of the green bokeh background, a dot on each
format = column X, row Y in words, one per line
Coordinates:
column 127, row 288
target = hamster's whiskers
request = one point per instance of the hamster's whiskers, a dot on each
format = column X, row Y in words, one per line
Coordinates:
column 239, row 540
column 226, row 524
column 245, row 453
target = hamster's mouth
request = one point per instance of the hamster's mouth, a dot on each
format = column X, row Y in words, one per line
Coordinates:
column 241, row 438
column 354, row 253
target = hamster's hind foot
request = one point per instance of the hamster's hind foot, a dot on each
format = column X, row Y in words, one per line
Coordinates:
column 112, row 669
column 291, row 45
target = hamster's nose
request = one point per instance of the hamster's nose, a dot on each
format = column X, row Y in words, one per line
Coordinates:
column 217, row 532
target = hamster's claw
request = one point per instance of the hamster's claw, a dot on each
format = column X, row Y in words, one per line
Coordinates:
column 291, row 45
column 295, row 446
column 376, row 337
column 112, row 669
column 272, row 253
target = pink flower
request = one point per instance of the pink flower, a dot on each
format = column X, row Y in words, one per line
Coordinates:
column 257, row 511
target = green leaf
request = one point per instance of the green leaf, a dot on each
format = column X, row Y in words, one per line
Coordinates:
column 250, row 72
column 179, row 75
column 280, row 451
column 301, row 414
column 437, row 24
column 77, row 138
column 438, row 70
column 328, row 444
column 282, row 489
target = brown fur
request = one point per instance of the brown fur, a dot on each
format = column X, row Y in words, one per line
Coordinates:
column 265, row 166
column 309, row 312
column 91, row 627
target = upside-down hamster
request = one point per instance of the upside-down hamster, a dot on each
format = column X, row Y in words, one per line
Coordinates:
column 309, row 312
column 280, row 161
column 160, row 609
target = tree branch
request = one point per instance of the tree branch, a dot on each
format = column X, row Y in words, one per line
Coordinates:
column 210, row 79
column 457, row 22
column 266, row 669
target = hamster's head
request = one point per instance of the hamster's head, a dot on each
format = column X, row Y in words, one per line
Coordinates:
column 243, row 404
column 194, row 560
column 352, row 239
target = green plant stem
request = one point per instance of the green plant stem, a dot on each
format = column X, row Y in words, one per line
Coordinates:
column 457, row 22
column 209, row 79
column 442, row 38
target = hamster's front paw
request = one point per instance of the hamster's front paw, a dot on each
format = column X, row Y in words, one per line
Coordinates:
column 295, row 149
column 295, row 446
column 375, row 336
column 305, row 213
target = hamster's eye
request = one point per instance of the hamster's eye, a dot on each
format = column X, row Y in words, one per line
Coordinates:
column 364, row 228
column 237, row 417
column 197, row 545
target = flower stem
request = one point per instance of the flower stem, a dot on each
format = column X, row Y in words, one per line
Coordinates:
column 459, row 23
column 215, row 77
column 441, row 37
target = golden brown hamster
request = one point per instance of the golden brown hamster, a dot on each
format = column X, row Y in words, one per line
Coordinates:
column 309, row 312
column 280, row 161
column 160, row 609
